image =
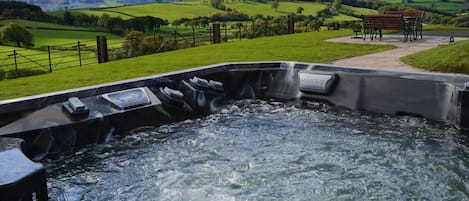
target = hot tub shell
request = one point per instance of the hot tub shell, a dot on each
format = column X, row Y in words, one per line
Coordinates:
column 40, row 127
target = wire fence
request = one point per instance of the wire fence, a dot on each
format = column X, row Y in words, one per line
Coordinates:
column 20, row 62
column 168, row 39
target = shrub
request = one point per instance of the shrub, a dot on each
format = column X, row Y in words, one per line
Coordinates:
column 461, row 21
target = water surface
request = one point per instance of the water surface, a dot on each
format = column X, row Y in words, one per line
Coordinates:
column 256, row 150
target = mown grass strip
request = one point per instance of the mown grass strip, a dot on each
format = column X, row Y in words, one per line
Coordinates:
column 452, row 58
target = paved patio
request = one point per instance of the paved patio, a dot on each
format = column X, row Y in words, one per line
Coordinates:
column 389, row 60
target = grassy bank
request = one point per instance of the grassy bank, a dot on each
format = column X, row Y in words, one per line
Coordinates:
column 306, row 47
column 452, row 58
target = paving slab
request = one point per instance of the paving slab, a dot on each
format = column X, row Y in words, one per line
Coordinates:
column 390, row 59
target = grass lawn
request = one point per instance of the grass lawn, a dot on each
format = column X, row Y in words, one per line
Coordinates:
column 306, row 47
column 452, row 58
column 439, row 27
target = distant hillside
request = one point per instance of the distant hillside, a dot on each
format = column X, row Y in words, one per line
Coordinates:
column 49, row 5
column 191, row 9
column 450, row 6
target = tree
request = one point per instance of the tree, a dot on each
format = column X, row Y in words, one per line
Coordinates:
column 216, row 3
column 299, row 10
column 154, row 23
column 336, row 4
column 104, row 20
column 405, row 2
column 68, row 18
column 133, row 44
column 275, row 5
column 17, row 34
column 137, row 24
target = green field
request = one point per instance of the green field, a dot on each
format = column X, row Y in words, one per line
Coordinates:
column 307, row 47
column 63, row 52
column 48, row 34
column 453, row 6
column 191, row 9
column 341, row 17
column 361, row 11
column 285, row 8
column 169, row 11
column 95, row 12
column 453, row 58
column 44, row 25
column 37, row 60
column 44, row 37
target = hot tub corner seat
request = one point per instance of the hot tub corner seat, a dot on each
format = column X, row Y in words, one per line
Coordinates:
column 20, row 178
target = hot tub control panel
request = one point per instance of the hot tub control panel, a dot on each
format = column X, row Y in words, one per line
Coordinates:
column 128, row 98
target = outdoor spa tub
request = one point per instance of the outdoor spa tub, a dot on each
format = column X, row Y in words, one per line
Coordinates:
column 248, row 131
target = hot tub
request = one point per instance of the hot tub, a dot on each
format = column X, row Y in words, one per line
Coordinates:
column 297, row 100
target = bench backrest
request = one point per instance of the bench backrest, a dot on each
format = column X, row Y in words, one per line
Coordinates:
column 416, row 14
column 389, row 22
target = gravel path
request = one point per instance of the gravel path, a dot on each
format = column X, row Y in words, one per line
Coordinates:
column 390, row 60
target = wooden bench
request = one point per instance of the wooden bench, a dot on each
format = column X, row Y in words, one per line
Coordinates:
column 374, row 24
column 414, row 17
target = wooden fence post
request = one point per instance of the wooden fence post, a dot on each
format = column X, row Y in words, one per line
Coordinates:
column 225, row 39
column 291, row 23
column 50, row 62
column 216, row 33
column 101, row 43
column 193, row 36
column 79, row 51
column 16, row 63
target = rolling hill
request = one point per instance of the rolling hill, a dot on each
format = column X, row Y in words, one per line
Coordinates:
column 49, row 5
column 191, row 9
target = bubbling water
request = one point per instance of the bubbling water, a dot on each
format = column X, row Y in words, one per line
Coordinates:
column 256, row 150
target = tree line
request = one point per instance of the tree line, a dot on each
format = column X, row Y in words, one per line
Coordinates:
column 115, row 25
column 14, row 9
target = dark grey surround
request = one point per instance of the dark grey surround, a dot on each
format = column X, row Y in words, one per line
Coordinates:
column 38, row 126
